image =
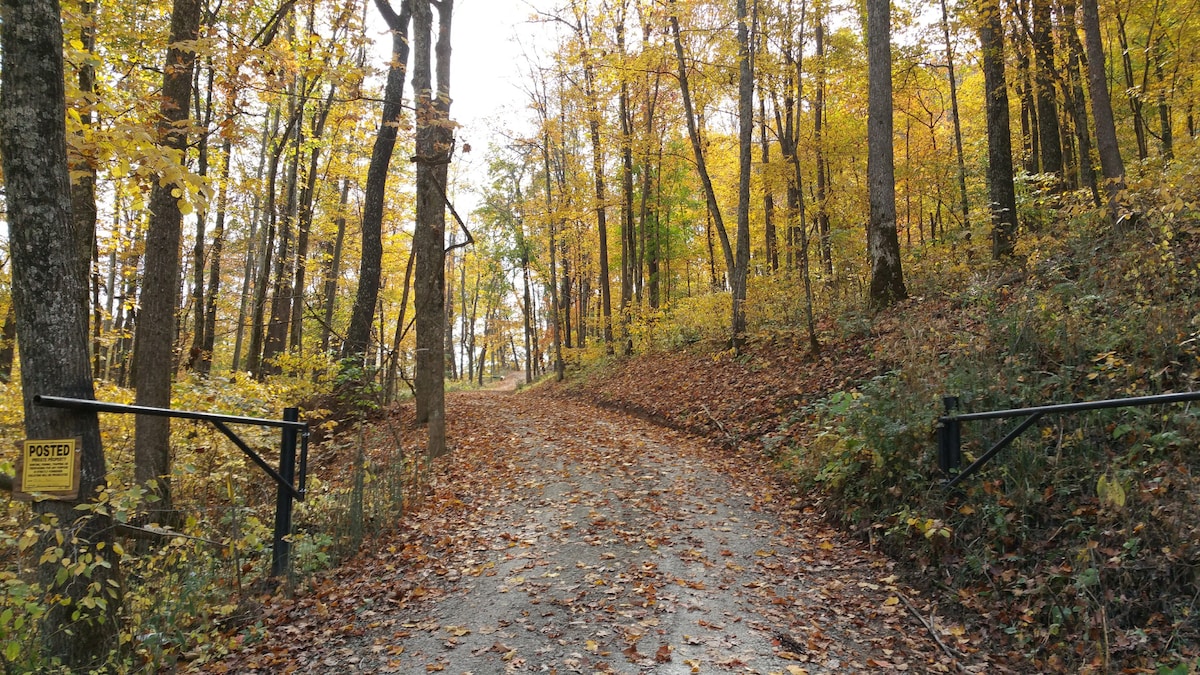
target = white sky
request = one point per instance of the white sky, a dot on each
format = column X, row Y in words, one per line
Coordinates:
column 488, row 41
column 485, row 75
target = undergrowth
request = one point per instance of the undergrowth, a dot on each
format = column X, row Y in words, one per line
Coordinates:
column 1080, row 543
column 196, row 594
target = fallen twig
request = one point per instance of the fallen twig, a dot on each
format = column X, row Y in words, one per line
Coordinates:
column 954, row 654
column 716, row 422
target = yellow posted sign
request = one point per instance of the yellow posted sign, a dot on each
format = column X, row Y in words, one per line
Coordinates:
column 49, row 467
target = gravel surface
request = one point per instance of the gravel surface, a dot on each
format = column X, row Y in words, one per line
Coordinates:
column 563, row 538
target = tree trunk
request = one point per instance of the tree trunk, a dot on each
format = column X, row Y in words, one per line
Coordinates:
column 1049, row 134
column 154, row 343
column 650, row 226
column 714, row 209
column 249, row 270
column 628, row 231
column 307, row 197
column 770, row 247
column 1001, row 190
column 883, row 245
column 451, row 367
column 370, row 265
column 50, row 300
column 552, row 218
column 819, row 152
column 433, row 152
column 1165, row 137
column 204, row 117
column 1132, row 92
column 957, row 120
column 8, row 343
column 1077, row 101
column 83, row 167
column 1111, row 164
column 281, row 285
column 333, row 269
column 741, row 265
column 214, row 272
column 257, row 354
column 401, row 330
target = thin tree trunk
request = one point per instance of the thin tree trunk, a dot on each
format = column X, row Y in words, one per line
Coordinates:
column 281, row 286
column 83, row 167
column 1077, row 101
column 954, row 116
column 433, row 147
column 307, row 197
column 1049, row 134
column 1132, row 92
column 1001, row 190
column 249, row 270
column 370, row 267
column 204, row 117
column 714, row 209
column 601, row 199
column 153, row 356
column 1111, row 164
column 401, row 329
column 769, row 244
column 333, row 269
column 214, row 270
column 552, row 218
column 819, row 151
column 883, row 246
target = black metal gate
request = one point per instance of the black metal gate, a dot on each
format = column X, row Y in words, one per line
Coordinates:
column 288, row 488
column 949, row 430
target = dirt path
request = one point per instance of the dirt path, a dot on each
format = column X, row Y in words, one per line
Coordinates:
column 566, row 539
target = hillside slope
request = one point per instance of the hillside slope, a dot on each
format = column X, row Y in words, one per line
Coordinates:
column 1078, row 547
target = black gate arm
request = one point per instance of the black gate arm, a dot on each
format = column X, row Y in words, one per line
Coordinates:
column 949, row 426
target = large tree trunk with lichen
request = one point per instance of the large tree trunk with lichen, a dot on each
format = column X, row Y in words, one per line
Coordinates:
column 50, row 301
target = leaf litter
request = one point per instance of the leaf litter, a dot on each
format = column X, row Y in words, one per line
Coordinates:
column 565, row 538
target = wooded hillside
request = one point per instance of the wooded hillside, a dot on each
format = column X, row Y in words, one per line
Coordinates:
column 245, row 209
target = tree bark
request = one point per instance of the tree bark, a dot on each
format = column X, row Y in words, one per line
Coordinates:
column 49, row 295
column 333, row 268
column 153, row 357
column 249, row 269
column 1077, row 101
column 770, row 247
column 434, row 148
column 1049, row 134
column 209, row 337
column 741, row 266
column 957, row 120
column 1001, row 190
column 593, row 111
column 714, row 209
column 883, row 245
column 370, row 265
column 1132, row 91
column 1111, row 164
column 629, row 245
column 307, row 197
column 204, row 120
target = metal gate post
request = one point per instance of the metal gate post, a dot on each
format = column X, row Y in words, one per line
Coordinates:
column 281, row 547
column 949, row 436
